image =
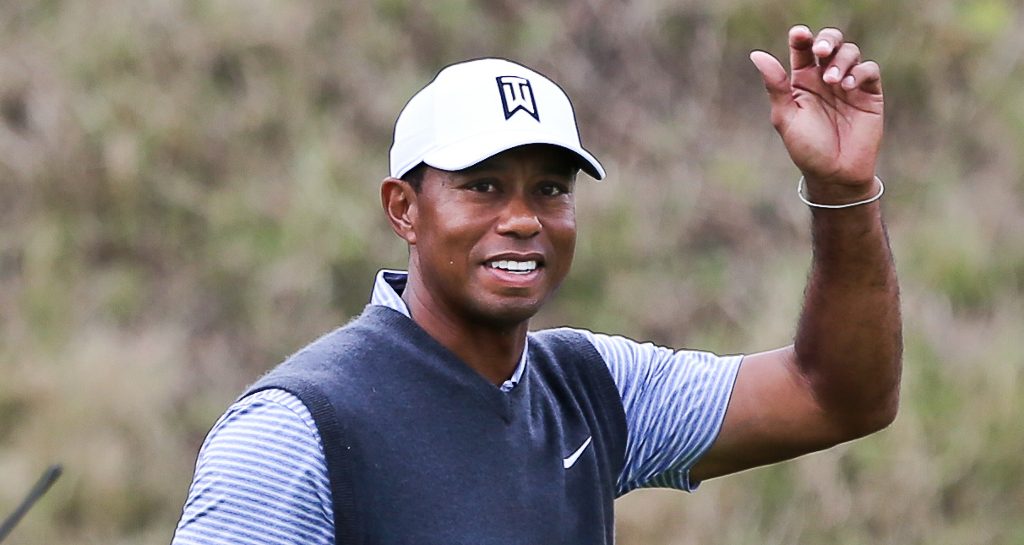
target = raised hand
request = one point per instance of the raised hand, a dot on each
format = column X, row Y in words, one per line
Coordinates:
column 828, row 110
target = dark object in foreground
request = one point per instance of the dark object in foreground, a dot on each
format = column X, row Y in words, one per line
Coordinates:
column 42, row 485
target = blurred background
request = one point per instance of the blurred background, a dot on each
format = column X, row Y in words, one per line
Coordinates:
column 188, row 193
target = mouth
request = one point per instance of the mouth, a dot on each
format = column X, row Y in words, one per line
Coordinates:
column 517, row 269
column 522, row 267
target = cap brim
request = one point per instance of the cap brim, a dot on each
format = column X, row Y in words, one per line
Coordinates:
column 469, row 152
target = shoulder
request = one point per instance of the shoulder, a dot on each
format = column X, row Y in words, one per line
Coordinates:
column 561, row 337
column 621, row 355
column 568, row 350
column 335, row 357
column 271, row 429
column 272, row 406
column 631, row 362
column 260, row 472
column 610, row 347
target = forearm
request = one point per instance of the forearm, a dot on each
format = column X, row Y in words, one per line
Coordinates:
column 849, row 342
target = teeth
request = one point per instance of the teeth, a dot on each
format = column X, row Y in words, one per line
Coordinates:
column 520, row 267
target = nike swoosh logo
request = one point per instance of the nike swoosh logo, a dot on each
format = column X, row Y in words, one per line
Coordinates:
column 571, row 459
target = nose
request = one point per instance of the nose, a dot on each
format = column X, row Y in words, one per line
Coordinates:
column 519, row 220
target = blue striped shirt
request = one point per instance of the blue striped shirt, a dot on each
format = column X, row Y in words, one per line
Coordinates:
column 261, row 476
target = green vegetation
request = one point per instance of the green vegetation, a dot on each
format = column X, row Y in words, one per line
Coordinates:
column 188, row 193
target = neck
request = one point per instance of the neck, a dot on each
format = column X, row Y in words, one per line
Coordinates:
column 491, row 349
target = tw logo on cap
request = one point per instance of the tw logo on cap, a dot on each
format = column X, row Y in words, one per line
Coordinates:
column 517, row 94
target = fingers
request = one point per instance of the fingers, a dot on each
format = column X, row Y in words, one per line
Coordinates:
column 837, row 62
column 801, row 41
column 866, row 76
column 776, row 81
column 826, row 42
column 807, row 50
column 844, row 59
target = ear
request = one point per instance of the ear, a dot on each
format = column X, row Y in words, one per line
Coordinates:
column 399, row 201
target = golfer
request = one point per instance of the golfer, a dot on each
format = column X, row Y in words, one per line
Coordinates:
column 438, row 417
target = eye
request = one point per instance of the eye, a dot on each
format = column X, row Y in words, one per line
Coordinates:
column 486, row 185
column 554, row 189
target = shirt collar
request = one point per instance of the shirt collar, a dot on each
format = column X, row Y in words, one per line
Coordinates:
column 387, row 292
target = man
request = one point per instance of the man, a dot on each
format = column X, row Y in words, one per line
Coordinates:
column 435, row 417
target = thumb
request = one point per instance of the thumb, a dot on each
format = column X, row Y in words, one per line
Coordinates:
column 776, row 81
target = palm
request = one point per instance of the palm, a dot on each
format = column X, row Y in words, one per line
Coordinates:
column 832, row 132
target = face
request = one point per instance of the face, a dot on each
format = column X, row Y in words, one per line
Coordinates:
column 494, row 241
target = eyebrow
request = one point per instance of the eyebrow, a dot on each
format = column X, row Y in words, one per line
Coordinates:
column 558, row 168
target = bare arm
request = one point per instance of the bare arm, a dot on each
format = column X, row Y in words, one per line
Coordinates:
column 840, row 378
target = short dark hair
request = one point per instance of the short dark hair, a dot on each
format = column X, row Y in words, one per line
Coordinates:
column 415, row 176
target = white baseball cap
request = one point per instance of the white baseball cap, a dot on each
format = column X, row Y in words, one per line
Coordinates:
column 476, row 109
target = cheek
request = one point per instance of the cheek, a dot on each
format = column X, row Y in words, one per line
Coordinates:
column 563, row 236
column 563, row 223
column 451, row 237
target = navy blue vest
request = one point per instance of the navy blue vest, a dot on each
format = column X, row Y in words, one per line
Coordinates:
column 421, row 449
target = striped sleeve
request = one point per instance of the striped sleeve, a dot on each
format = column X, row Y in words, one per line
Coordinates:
column 261, row 478
column 674, row 400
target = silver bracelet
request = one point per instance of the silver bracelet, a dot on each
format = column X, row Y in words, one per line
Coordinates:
column 800, row 193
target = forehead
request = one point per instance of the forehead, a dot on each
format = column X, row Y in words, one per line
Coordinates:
column 544, row 157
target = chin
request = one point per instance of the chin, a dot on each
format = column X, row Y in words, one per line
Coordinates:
column 509, row 314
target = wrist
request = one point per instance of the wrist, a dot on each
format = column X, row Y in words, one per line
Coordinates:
column 839, row 195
